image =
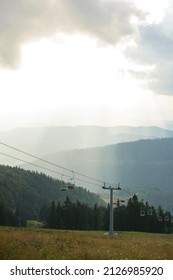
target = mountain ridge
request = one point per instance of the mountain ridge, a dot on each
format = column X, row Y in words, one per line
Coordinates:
column 139, row 165
column 27, row 191
column 144, row 164
column 45, row 140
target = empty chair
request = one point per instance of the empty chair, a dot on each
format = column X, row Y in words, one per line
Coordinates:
column 142, row 213
column 150, row 211
column 160, row 219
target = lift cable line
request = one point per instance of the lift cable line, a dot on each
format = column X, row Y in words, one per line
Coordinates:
column 106, row 185
column 109, row 187
column 47, row 169
column 33, row 164
column 56, row 165
column 53, row 164
column 111, row 227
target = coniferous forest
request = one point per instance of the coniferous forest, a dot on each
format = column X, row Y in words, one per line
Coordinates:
column 135, row 216
column 27, row 195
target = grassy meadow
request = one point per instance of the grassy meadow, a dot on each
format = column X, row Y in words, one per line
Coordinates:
column 44, row 244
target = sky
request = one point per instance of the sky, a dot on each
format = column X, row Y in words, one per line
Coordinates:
column 85, row 62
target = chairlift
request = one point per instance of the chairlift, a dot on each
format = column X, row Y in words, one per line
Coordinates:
column 160, row 219
column 142, row 213
column 122, row 202
column 71, row 186
column 166, row 218
column 71, row 183
column 150, row 211
column 114, row 203
column 63, row 187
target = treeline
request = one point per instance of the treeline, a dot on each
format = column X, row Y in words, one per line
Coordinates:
column 25, row 191
column 140, row 216
column 10, row 218
column 135, row 216
column 75, row 216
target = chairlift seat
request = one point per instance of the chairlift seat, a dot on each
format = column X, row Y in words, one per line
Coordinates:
column 142, row 213
column 150, row 212
column 166, row 218
column 160, row 219
column 72, row 187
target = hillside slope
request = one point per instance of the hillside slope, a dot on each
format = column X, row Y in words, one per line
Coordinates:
column 145, row 166
column 27, row 191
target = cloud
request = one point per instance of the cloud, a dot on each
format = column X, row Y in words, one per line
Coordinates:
column 155, row 48
column 24, row 21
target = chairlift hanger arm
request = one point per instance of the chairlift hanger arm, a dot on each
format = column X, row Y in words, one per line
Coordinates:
column 111, row 188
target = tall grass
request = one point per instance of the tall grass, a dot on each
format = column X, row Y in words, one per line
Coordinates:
column 41, row 244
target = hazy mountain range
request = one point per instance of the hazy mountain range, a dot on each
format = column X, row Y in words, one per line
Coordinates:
column 46, row 140
column 142, row 166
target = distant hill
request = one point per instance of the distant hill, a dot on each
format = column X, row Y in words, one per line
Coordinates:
column 26, row 191
column 144, row 166
column 46, row 140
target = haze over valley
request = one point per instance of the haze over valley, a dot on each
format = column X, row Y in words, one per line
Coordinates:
column 87, row 88
column 142, row 166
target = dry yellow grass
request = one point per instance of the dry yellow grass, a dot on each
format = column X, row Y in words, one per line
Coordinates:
column 42, row 244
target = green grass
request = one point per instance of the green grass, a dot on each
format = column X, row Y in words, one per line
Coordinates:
column 42, row 244
column 34, row 224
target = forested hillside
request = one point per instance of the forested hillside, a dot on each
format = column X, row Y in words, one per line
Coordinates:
column 25, row 192
column 30, row 195
column 144, row 166
column 134, row 216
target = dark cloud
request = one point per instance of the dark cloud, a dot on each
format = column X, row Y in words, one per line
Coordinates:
column 22, row 21
column 155, row 47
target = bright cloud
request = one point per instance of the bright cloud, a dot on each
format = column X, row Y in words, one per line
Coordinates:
column 24, row 21
column 154, row 48
column 85, row 62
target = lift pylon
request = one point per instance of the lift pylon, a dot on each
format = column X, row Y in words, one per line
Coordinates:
column 111, row 220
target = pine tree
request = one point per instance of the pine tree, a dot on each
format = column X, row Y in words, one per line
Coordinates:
column 52, row 216
column 59, row 220
column 68, row 214
column 133, row 217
